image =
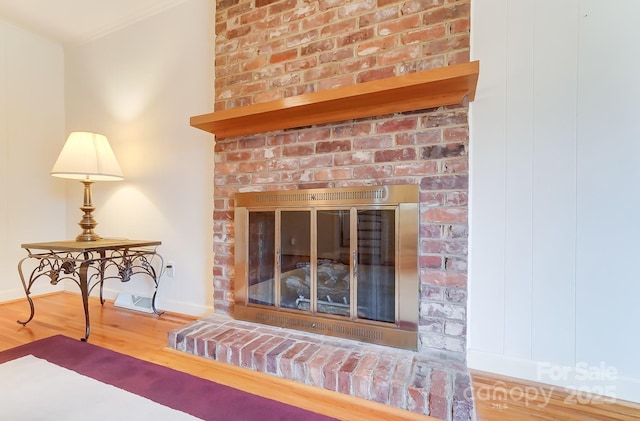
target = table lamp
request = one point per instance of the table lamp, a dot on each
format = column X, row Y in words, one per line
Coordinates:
column 87, row 157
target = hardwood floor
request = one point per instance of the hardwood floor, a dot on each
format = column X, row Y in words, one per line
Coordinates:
column 144, row 336
column 534, row 401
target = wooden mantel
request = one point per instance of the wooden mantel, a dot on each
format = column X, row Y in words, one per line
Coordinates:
column 415, row 91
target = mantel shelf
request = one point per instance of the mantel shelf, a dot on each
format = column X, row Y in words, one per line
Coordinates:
column 415, row 91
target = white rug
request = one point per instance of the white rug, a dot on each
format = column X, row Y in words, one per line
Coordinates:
column 34, row 389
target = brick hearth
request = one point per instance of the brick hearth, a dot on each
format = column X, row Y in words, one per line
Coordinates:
column 420, row 383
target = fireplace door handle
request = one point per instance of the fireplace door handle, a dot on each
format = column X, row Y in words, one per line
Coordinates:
column 355, row 263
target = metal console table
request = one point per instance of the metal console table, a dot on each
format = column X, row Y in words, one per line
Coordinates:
column 89, row 264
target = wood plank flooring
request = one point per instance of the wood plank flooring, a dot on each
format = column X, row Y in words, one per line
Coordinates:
column 536, row 402
column 144, row 336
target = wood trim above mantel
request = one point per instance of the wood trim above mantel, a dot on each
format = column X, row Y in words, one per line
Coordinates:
column 415, row 91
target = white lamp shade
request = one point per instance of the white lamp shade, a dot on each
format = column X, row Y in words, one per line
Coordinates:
column 87, row 156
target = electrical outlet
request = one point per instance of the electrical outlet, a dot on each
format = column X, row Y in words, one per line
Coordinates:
column 171, row 269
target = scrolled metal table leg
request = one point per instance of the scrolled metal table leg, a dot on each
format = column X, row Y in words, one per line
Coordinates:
column 84, row 291
column 27, row 291
column 153, row 303
column 101, row 276
column 153, row 274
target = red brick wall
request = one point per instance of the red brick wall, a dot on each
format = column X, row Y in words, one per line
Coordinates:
column 267, row 50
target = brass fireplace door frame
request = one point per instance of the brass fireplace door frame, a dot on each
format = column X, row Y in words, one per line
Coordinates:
column 403, row 333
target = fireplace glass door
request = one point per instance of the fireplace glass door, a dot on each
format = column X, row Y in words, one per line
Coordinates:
column 333, row 266
column 375, row 265
column 262, row 230
column 344, row 264
column 295, row 258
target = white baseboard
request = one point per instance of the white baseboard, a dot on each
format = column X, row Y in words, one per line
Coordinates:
column 584, row 379
column 18, row 293
column 164, row 304
column 172, row 306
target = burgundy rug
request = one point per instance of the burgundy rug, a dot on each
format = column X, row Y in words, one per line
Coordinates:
column 198, row 397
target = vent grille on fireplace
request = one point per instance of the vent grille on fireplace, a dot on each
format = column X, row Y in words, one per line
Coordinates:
column 289, row 197
column 362, row 333
column 353, row 195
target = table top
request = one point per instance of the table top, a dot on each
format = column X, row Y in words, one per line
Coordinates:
column 82, row 246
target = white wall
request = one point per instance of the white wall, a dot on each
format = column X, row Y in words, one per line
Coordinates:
column 555, row 146
column 139, row 86
column 32, row 205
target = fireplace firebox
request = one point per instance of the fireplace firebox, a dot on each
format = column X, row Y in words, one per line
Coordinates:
column 335, row 261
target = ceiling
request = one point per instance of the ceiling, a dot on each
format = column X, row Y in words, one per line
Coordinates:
column 73, row 22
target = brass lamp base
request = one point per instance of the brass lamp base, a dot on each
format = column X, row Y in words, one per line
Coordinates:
column 87, row 223
column 88, row 236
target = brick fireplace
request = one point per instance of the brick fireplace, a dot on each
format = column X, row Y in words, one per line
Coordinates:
column 267, row 50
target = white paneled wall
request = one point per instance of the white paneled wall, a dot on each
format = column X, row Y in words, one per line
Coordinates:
column 555, row 35
column 518, row 157
column 608, row 196
column 554, row 162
